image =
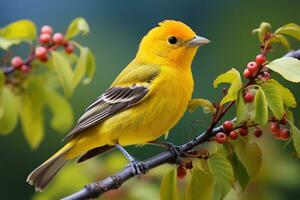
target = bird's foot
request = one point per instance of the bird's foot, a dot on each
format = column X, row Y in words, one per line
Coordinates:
column 174, row 149
column 138, row 168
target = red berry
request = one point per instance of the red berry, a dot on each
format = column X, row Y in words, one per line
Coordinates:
column 16, row 61
column 243, row 131
column 252, row 67
column 277, row 135
column 249, row 97
column 284, row 134
column 258, row 132
column 228, row 126
column 181, row 172
column 41, row 53
column 69, row 48
column 45, row 38
column 233, row 135
column 275, row 128
column 260, row 76
column 266, row 76
column 260, row 59
column 58, row 38
column 221, row 138
column 47, row 29
column 25, row 69
column 247, row 73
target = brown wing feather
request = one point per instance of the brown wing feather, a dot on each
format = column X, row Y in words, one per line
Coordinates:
column 109, row 103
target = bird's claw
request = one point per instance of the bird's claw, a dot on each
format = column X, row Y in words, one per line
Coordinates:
column 176, row 151
column 138, row 168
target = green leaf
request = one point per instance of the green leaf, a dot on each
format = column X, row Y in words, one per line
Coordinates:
column 19, row 30
column 291, row 29
column 76, row 27
column 274, row 99
column 204, row 103
column 290, row 120
column 249, row 154
column 295, row 132
column 90, row 67
column 5, row 44
column 278, row 38
column 287, row 96
column 287, row 67
column 262, row 30
column 16, row 32
column 9, row 104
column 241, row 109
column 64, row 71
column 168, row 187
column 200, row 185
column 261, row 108
column 31, row 113
column 240, row 171
column 86, row 65
column 80, row 67
column 222, row 172
column 62, row 119
column 233, row 77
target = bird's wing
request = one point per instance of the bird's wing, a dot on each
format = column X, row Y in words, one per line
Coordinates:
column 113, row 101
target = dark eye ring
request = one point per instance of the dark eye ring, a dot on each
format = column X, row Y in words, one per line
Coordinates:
column 172, row 40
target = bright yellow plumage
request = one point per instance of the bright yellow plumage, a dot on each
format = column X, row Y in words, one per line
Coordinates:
column 144, row 102
column 153, row 117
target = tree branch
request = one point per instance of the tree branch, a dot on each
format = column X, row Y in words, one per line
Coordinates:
column 94, row 190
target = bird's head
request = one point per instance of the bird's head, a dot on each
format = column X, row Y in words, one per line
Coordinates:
column 171, row 43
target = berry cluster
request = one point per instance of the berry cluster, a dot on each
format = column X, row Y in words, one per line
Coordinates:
column 47, row 42
column 278, row 131
column 255, row 69
column 18, row 63
column 222, row 137
column 254, row 66
column 232, row 133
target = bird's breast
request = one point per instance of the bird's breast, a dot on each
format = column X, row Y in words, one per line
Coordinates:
column 169, row 95
column 172, row 93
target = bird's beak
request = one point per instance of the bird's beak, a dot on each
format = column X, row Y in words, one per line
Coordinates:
column 197, row 41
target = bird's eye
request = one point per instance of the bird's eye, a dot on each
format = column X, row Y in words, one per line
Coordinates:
column 172, row 40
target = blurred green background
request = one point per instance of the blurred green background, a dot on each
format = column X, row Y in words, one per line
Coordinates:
column 116, row 29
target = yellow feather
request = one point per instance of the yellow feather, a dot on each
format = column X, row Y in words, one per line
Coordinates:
column 165, row 69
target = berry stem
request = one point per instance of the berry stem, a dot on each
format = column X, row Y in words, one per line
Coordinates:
column 265, row 49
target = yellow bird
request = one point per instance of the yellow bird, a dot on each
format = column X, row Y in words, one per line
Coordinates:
column 144, row 102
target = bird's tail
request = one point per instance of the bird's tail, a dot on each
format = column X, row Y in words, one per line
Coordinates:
column 43, row 174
